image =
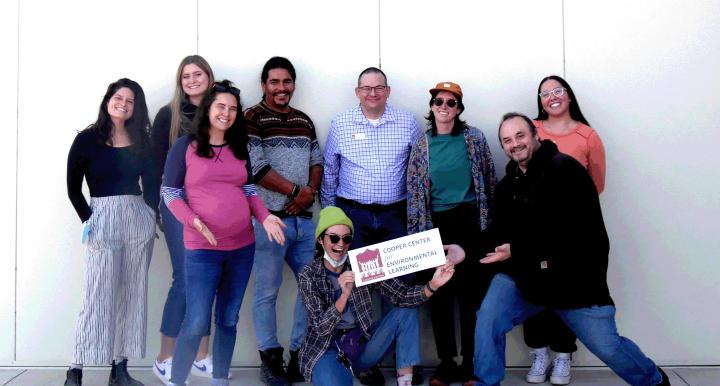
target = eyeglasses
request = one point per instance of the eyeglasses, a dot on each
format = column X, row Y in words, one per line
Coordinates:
column 368, row 89
column 439, row 102
column 219, row 87
column 347, row 239
column 557, row 91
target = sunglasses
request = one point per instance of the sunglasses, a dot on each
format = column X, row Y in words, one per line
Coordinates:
column 336, row 238
column 439, row 102
column 219, row 87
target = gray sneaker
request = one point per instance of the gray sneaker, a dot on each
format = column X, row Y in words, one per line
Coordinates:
column 561, row 369
column 541, row 364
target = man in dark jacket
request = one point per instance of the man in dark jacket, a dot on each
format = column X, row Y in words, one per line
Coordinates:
column 549, row 220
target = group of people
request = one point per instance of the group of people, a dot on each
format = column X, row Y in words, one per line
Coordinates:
column 237, row 195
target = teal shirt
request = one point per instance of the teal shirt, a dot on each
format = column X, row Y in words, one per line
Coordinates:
column 450, row 172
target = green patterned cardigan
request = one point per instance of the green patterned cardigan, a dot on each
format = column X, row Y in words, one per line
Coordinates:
column 418, row 180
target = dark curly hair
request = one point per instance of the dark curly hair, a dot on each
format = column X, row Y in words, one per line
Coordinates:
column 138, row 126
column 574, row 107
column 235, row 136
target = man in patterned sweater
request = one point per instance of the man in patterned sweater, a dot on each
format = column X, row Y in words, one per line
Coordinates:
column 287, row 166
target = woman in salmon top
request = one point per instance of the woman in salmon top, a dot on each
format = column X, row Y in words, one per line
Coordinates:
column 559, row 119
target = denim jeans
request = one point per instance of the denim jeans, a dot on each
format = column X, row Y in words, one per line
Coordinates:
column 270, row 258
column 505, row 308
column 174, row 310
column 399, row 328
column 212, row 275
column 372, row 227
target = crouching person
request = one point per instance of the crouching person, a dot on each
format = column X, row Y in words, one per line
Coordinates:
column 554, row 248
column 342, row 339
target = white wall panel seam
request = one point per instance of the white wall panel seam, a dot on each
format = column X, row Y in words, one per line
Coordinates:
column 379, row 18
column 562, row 6
column 17, row 166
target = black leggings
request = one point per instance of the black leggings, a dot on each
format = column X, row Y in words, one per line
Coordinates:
column 468, row 285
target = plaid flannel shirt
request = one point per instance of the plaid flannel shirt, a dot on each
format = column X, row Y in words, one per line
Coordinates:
column 319, row 298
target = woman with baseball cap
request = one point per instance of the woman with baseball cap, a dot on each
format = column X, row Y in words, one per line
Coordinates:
column 450, row 184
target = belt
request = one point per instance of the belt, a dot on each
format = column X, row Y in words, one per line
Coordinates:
column 283, row 214
column 398, row 205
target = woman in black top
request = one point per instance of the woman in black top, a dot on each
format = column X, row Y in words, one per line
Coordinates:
column 114, row 155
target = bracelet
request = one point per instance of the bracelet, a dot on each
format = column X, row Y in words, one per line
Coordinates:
column 432, row 291
column 295, row 191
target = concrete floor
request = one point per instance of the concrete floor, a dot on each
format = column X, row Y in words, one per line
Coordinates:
column 679, row 376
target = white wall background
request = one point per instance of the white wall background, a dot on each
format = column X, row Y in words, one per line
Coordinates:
column 645, row 73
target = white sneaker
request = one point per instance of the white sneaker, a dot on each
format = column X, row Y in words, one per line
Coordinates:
column 162, row 370
column 204, row 368
column 561, row 369
column 541, row 364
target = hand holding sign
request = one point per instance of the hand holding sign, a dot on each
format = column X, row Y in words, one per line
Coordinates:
column 454, row 253
column 346, row 280
column 442, row 275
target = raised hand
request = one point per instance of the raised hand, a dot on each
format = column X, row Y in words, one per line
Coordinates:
column 454, row 253
column 502, row 252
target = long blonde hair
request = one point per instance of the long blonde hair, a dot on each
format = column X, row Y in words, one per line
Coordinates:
column 177, row 118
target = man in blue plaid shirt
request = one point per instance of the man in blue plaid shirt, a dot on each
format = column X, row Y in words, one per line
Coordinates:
column 366, row 158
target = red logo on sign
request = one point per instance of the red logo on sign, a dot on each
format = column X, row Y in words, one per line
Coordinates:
column 370, row 264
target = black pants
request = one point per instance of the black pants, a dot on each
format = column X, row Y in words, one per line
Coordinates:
column 468, row 285
column 547, row 329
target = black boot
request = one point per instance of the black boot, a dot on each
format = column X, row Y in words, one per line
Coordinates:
column 417, row 376
column 445, row 373
column 293, row 368
column 73, row 377
column 665, row 380
column 119, row 375
column 372, row 377
column 272, row 368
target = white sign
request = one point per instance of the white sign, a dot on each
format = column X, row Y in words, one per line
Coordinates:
column 397, row 257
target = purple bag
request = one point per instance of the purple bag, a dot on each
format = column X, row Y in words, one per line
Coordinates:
column 352, row 343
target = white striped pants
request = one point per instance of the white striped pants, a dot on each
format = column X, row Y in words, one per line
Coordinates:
column 113, row 319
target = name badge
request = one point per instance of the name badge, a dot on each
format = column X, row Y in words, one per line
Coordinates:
column 543, row 264
column 358, row 136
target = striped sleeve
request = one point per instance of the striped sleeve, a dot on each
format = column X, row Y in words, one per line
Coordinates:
column 173, row 185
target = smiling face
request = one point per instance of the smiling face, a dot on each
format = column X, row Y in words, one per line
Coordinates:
column 278, row 89
column 223, row 112
column 121, row 104
column 195, row 82
column 555, row 106
column 372, row 101
column 445, row 114
column 336, row 251
column 518, row 142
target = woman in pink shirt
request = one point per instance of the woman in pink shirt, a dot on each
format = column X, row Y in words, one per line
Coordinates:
column 208, row 187
column 560, row 120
